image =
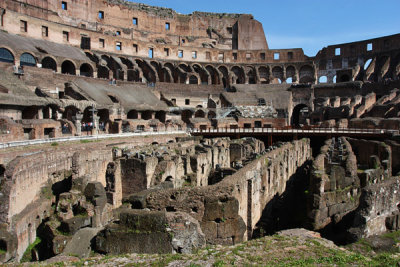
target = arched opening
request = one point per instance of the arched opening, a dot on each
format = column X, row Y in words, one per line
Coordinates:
column 30, row 113
column 334, row 79
column 263, row 72
column 27, row 59
column 49, row 63
column 323, row 79
column 103, row 72
column 214, row 75
column 193, row 80
column 147, row 115
column 132, row 115
column 367, row 63
column 277, row 73
column 239, row 73
column 199, row 114
column 186, row 115
column 69, row 113
column 87, row 115
column 290, row 74
column 67, row 67
column 300, row 114
column 6, row 55
column 161, row 115
column 104, row 118
column 86, row 70
column 306, row 74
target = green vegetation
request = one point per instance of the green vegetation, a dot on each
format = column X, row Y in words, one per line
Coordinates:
column 2, row 251
column 27, row 257
column 85, row 141
column 274, row 250
column 54, row 144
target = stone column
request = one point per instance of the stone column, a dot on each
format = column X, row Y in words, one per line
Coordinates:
column 77, row 119
column 95, row 129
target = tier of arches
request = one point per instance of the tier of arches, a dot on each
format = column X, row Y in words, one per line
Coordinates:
column 152, row 71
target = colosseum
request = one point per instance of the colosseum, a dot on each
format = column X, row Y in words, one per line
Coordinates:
column 128, row 128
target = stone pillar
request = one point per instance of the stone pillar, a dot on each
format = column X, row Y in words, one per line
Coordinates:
column 139, row 115
column 95, row 129
column 77, row 119
column 153, row 115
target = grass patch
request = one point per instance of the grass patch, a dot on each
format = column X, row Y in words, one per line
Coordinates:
column 27, row 257
column 54, row 144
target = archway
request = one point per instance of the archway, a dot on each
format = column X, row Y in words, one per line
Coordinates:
column 193, row 80
column 199, row 114
column 49, row 63
column 300, row 114
column 6, row 55
column 70, row 112
column 306, row 74
column 86, row 70
column 67, row 67
column 264, row 75
column 132, row 115
column 27, row 59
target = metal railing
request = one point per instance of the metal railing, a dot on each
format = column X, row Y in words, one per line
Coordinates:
column 86, row 137
column 290, row 130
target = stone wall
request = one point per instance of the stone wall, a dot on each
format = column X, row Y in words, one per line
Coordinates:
column 229, row 210
column 334, row 184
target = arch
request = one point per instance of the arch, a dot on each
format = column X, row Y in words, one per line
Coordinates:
column 289, row 80
column 334, row 79
column 161, row 116
column 300, row 113
column 67, row 67
column 263, row 72
column 148, row 72
column 367, row 63
column 251, row 75
column 200, row 114
column 186, row 115
column 306, row 74
column 193, row 80
column 239, row 73
column 133, row 114
column 203, row 74
column 27, row 59
column 147, row 115
column 86, row 70
column 103, row 72
column 6, row 55
column 323, row 79
column 225, row 75
column 290, row 72
column 215, row 79
column 70, row 112
column 277, row 73
column 49, row 63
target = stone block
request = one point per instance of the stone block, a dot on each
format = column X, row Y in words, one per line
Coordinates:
column 96, row 194
column 74, row 224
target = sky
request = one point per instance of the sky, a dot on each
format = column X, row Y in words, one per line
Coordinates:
column 307, row 24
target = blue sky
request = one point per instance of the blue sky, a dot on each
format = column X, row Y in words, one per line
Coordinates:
column 307, row 24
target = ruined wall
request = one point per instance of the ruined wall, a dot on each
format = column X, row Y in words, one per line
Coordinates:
column 334, row 184
column 229, row 210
